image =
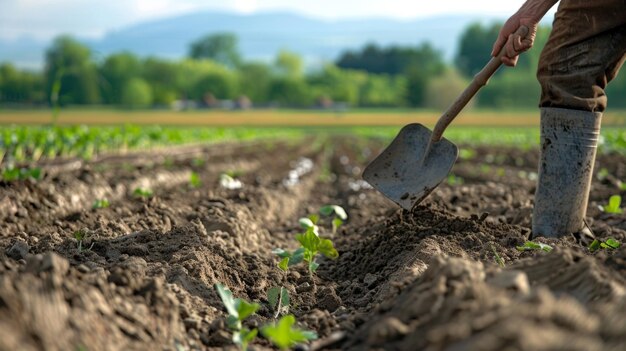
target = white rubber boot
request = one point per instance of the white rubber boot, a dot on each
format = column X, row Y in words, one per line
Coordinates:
column 568, row 151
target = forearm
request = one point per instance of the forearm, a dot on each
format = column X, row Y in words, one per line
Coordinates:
column 536, row 9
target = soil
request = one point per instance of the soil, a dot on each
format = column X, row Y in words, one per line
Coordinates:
column 142, row 277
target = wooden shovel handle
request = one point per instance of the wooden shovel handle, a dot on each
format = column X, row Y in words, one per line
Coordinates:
column 480, row 80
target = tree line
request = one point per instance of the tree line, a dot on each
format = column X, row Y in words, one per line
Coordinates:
column 214, row 71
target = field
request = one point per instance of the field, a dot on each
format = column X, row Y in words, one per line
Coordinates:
column 138, row 271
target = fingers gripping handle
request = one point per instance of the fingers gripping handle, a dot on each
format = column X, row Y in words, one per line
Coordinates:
column 478, row 82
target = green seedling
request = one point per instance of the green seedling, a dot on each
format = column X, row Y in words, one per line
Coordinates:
column 141, row 192
column 100, row 203
column 313, row 245
column 80, row 235
column 454, row 180
column 531, row 245
column 284, row 335
column 610, row 244
column 229, row 182
column 278, row 298
column 497, row 257
column 194, row 180
column 238, row 310
column 197, row 162
column 13, row 174
column 466, row 154
column 289, row 259
column 602, row 173
column 614, row 204
column 339, row 214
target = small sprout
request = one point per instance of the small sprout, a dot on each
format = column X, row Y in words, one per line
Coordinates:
column 531, row 245
column 289, row 259
column 602, row 173
column 238, row 310
column 454, row 180
column 313, row 245
column 330, row 210
column 337, row 222
column 610, row 244
column 339, row 213
column 229, row 182
column 80, row 236
column 314, row 218
column 100, row 203
column 278, row 298
column 284, row 335
column 194, row 180
column 466, row 154
column 497, row 257
column 141, row 192
column 614, row 204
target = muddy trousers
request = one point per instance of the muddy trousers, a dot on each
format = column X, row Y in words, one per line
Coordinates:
column 586, row 48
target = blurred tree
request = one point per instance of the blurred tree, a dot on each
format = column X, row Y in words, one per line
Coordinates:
column 162, row 76
column 337, row 84
column 443, row 90
column 288, row 64
column 116, row 71
column 292, row 92
column 20, row 86
column 254, row 80
column 382, row 90
column 219, row 47
column 199, row 78
column 136, row 93
column 69, row 68
column 393, row 60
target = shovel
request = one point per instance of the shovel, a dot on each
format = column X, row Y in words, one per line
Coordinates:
column 417, row 160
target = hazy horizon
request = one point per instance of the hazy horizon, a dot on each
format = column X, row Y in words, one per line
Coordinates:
column 44, row 19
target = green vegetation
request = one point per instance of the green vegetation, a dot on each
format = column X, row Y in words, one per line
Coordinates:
column 142, row 192
column 80, row 236
column 100, row 203
column 614, row 204
column 194, row 180
column 284, row 335
column 497, row 257
column 238, row 310
column 278, row 298
column 531, row 245
column 12, row 174
column 214, row 70
column 610, row 244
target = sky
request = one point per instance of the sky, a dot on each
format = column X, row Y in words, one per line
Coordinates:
column 44, row 19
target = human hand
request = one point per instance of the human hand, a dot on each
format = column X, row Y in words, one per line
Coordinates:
column 513, row 44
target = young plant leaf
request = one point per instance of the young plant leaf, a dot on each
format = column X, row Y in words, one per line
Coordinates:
column 614, row 204
column 284, row 264
column 278, row 298
column 594, row 245
column 194, row 180
column 337, row 222
column 306, row 223
column 245, row 309
column 244, row 337
column 338, row 211
column 614, row 244
column 531, row 245
column 227, row 299
column 314, row 218
column 284, row 335
column 100, row 203
column 327, row 249
column 297, row 257
column 313, row 266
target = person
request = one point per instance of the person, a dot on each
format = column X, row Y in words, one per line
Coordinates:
column 585, row 50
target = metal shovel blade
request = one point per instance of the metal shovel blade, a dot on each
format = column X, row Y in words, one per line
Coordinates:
column 403, row 174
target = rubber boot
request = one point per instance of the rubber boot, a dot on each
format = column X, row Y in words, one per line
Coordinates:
column 568, row 151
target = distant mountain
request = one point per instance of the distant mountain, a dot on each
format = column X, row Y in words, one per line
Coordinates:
column 261, row 35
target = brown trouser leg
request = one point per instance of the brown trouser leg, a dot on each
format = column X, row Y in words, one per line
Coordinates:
column 585, row 51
